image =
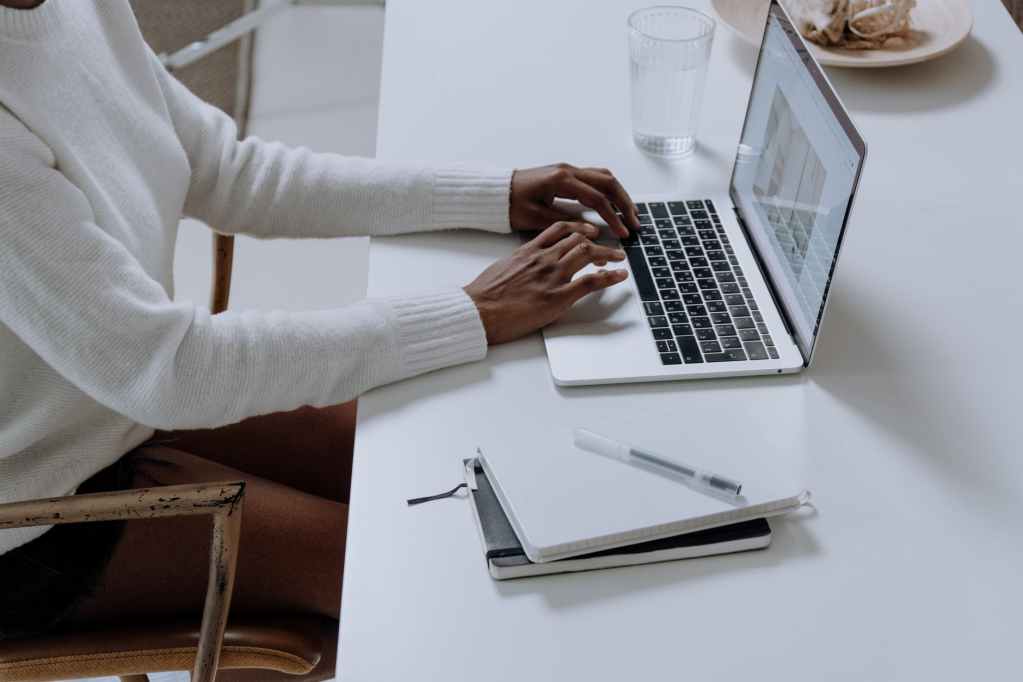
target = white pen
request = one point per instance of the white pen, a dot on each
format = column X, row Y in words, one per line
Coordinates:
column 601, row 445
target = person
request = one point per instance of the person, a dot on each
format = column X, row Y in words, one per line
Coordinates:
column 108, row 382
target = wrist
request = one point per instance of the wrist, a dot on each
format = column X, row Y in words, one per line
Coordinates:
column 487, row 315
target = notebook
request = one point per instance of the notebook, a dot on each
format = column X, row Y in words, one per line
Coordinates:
column 564, row 502
column 506, row 558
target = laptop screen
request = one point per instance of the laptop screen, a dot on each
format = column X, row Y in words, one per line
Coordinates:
column 795, row 175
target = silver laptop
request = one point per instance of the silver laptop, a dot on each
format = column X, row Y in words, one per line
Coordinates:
column 735, row 284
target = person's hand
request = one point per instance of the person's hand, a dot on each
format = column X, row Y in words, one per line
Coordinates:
column 533, row 191
column 533, row 286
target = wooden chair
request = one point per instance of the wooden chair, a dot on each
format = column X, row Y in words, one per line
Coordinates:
column 291, row 646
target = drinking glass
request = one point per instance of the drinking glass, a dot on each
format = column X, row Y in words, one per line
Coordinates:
column 669, row 49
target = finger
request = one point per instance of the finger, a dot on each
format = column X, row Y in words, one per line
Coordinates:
column 593, row 198
column 587, row 284
column 588, row 252
column 545, row 215
column 605, row 181
column 562, row 229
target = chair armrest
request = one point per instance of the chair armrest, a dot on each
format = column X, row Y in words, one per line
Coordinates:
column 222, row 501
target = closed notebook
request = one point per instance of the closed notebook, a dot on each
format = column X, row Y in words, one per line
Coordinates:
column 565, row 502
column 506, row 558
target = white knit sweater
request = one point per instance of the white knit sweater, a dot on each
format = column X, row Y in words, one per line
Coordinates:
column 101, row 153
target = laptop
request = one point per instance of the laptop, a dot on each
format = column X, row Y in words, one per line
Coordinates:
column 736, row 284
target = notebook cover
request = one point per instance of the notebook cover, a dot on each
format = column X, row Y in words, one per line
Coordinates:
column 564, row 502
column 504, row 552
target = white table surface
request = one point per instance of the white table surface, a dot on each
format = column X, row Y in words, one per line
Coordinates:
column 907, row 428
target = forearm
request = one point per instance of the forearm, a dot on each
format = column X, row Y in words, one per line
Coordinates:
column 270, row 190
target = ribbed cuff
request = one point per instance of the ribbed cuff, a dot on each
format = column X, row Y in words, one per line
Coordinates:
column 465, row 196
column 439, row 330
column 48, row 20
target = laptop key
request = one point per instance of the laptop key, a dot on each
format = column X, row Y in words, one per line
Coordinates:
column 721, row 266
column 726, row 330
column 659, row 210
column 689, row 349
column 773, row 352
column 757, row 316
column 734, row 299
column 641, row 275
column 656, row 261
column 663, row 224
column 694, row 204
column 642, row 209
column 679, row 267
column 718, row 318
column 682, row 330
column 675, row 254
column 700, row 322
column 692, row 299
column 661, row 272
column 657, row 321
column 739, row 311
column 706, row 335
column 726, row 276
column 677, row 318
column 662, row 333
column 664, row 282
column 768, row 340
column 688, row 287
column 692, row 242
column 677, row 207
column 666, row 234
column 653, row 308
column 701, row 262
column 745, row 323
column 669, row 294
column 727, row 356
column 670, row 359
column 710, row 347
column 671, row 244
column 666, row 347
column 697, row 310
column 714, row 254
column 730, row 342
column 649, row 239
column 712, row 295
column 707, row 283
column 730, row 288
column 762, row 328
column 749, row 335
column 716, row 307
column 756, row 350
column 674, row 306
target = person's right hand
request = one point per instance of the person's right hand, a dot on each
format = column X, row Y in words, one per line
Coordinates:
column 533, row 286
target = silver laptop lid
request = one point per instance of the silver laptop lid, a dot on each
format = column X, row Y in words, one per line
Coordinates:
column 796, row 173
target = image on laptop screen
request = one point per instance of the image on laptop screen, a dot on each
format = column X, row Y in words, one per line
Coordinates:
column 795, row 174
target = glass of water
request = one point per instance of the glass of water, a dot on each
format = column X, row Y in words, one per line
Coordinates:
column 669, row 49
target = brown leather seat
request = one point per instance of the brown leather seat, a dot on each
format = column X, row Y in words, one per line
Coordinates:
column 289, row 645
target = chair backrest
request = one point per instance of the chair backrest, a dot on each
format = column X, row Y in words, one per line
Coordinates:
column 223, row 78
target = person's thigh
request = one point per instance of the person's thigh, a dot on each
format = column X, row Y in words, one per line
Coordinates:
column 308, row 448
column 290, row 558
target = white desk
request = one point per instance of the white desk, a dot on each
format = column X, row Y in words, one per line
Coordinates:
column 907, row 428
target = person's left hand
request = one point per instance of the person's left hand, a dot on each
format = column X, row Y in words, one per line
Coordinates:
column 533, row 191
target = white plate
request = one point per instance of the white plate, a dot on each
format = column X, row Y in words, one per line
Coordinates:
column 939, row 26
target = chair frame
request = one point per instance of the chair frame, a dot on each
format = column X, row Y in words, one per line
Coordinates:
column 222, row 501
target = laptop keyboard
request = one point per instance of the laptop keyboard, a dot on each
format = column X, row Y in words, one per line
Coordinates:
column 697, row 301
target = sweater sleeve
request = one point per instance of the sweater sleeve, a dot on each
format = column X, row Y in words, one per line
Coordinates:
column 87, row 307
column 267, row 189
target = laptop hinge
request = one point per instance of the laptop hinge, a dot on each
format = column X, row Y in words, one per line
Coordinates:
column 770, row 284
